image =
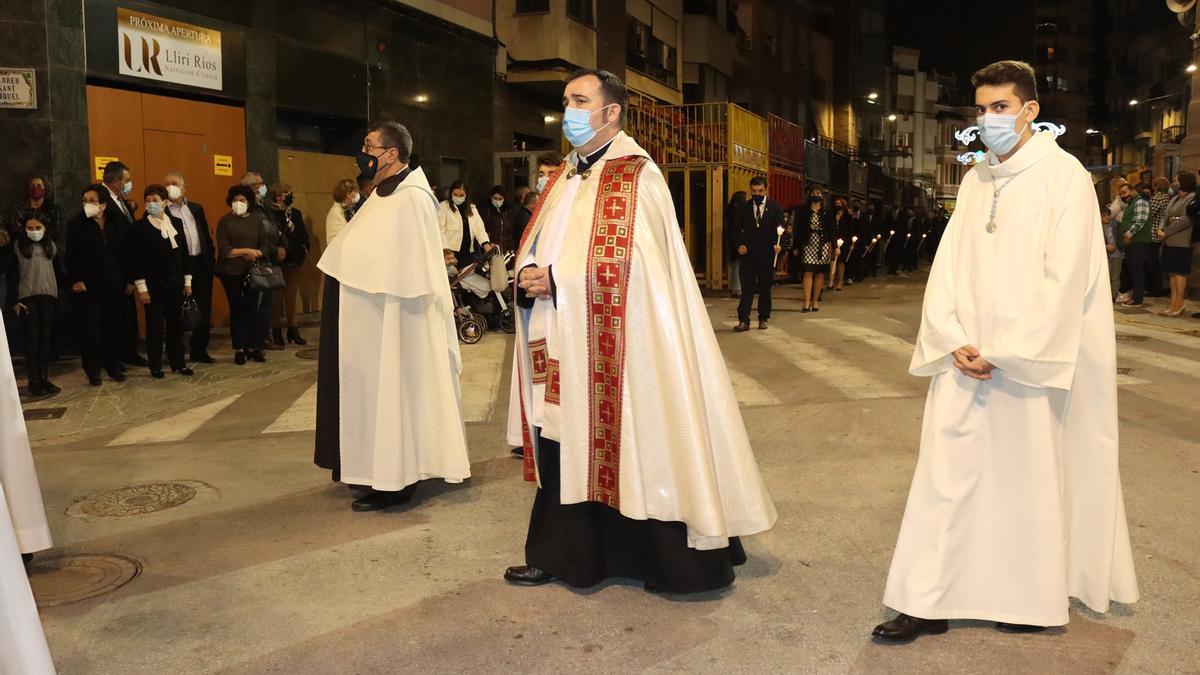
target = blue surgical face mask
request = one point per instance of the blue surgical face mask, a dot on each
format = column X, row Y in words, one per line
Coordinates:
column 999, row 132
column 577, row 125
column 541, row 183
column 154, row 208
column 262, row 191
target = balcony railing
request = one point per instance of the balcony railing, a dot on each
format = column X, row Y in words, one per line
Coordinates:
column 1172, row 134
column 700, row 133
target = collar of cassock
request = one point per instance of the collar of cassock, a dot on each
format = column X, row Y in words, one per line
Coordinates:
column 582, row 164
column 1041, row 146
column 388, row 185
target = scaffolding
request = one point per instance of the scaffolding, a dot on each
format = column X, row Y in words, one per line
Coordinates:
column 786, row 176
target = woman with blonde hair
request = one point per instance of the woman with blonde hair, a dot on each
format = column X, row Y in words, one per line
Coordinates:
column 345, row 203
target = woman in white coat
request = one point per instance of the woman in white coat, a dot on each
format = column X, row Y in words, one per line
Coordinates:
column 461, row 225
column 345, row 198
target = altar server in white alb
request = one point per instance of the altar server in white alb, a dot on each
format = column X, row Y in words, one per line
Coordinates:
column 389, row 409
column 1016, row 503
column 620, row 393
column 23, row 531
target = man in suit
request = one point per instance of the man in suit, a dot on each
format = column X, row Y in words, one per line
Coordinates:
column 756, row 224
column 121, row 213
column 201, row 259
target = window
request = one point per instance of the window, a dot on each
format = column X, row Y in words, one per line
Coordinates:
column 533, row 6
column 582, row 10
column 650, row 48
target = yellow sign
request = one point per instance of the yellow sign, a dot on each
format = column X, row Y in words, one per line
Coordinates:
column 100, row 162
column 222, row 165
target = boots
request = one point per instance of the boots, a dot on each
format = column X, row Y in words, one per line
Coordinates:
column 275, row 342
column 48, row 387
column 35, row 384
column 293, row 337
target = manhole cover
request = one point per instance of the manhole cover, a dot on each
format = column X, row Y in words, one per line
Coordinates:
column 1131, row 338
column 71, row 578
column 35, row 414
column 310, row 354
column 134, row 500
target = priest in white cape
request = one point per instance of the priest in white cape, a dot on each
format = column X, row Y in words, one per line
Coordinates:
column 620, row 393
column 389, row 408
column 23, row 531
column 1016, row 502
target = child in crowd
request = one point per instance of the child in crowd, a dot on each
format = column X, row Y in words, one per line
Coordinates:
column 1116, row 257
column 33, row 296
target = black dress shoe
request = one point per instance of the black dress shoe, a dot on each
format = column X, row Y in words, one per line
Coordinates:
column 184, row 371
column 1018, row 628
column 136, row 360
column 50, row 389
column 527, row 575
column 293, row 337
column 376, row 500
column 905, row 628
column 117, row 376
column 240, row 358
column 203, row 358
column 762, row 325
column 156, row 374
column 94, row 380
column 518, row 453
column 742, row 327
column 257, row 356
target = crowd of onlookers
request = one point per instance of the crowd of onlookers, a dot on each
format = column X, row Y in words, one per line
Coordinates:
column 77, row 272
column 1149, row 235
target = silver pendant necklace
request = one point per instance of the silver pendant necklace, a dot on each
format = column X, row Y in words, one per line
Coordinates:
column 991, row 225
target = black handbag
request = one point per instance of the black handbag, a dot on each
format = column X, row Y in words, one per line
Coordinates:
column 190, row 315
column 263, row 277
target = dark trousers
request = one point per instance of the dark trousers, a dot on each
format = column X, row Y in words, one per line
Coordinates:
column 1139, row 261
column 202, row 290
column 247, row 318
column 268, row 311
column 129, row 329
column 38, row 322
column 164, row 309
column 757, row 275
column 101, row 316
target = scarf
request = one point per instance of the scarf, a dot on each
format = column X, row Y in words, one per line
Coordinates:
column 163, row 225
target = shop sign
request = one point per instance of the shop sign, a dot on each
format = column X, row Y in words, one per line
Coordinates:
column 18, row 88
column 222, row 165
column 166, row 50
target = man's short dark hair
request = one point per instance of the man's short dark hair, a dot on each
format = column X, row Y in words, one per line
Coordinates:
column 552, row 158
column 1017, row 73
column 530, row 199
column 113, row 171
column 394, row 135
column 758, row 180
column 610, row 85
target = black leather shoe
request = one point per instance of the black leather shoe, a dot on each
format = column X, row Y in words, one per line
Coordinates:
column 117, row 376
column 527, row 575
column 240, row 358
column 184, row 371
column 258, row 357
column 94, row 380
column 293, row 337
column 742, row 327
column 49, row 388
column 135, row 360
column 157, row 374
column 376, row 500
column 519, row 453
column 1018, row 628
column 762, row 325
column 203, row 358
column 905, row 628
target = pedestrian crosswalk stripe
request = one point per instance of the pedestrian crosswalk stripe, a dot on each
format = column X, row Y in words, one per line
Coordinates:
column 889, row 343
column 830, row 369
column 749, row 393
column 483, row 368
column 1169, row 336
column 299, row 416
column 1148, row 357
column 176, row 427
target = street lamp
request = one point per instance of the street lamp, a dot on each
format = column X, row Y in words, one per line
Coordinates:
column 1191, row 68
column 891, row 118
column 1092, row 131
column 874, row 95
column 1133, row 101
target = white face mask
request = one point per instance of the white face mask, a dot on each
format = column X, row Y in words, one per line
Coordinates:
column 541, row 183
column 174, row 193
column 35, row 235
column 240, row 208
column 458, row 201
column 353, row 197
column 497, row 203
column 262, row 191
column 127, row 188
column 91, row 210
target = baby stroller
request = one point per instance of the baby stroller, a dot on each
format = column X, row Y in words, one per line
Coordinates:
column 477, row 305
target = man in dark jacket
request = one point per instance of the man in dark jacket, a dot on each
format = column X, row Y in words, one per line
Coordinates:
column 121, row 213
column 201, row 259
column 756, row 227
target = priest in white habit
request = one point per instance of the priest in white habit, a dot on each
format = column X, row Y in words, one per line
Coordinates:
column 620, row 394
column 1016, row 502
column 23, row 531
column 389, row 409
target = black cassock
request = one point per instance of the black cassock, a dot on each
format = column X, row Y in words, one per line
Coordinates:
column 328, row 453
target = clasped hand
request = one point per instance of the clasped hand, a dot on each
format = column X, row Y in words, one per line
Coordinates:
column 536, row 282
column 971, row 363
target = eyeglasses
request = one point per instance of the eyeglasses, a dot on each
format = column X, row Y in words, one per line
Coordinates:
column 369, row 148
